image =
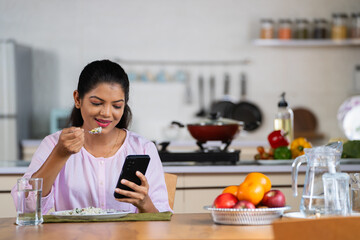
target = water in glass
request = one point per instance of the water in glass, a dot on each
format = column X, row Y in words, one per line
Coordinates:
column 29, row 194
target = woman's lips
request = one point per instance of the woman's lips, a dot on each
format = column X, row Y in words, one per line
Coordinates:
column 102, row 123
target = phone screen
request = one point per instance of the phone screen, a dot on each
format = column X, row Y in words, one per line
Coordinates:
column 132, row 164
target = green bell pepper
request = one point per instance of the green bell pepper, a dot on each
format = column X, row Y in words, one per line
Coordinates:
column 282, row 153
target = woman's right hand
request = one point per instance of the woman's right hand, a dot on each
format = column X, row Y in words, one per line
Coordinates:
column 71, row 140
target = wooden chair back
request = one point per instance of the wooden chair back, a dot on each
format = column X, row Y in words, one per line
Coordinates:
column 330, row 228
column 171, row 180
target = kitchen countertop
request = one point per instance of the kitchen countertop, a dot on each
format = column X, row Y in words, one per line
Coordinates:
column 19, row 167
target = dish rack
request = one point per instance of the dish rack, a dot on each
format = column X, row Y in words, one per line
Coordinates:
column 257, row 216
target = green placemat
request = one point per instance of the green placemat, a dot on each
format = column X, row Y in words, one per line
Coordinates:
column 162, row 216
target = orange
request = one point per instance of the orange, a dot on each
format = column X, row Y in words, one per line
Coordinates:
column 231, row 189
column 251, row 191
column 261, row 178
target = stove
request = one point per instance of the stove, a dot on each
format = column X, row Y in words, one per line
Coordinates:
column 204, row 155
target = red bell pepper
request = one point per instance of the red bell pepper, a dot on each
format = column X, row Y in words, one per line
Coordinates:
column 277, row 139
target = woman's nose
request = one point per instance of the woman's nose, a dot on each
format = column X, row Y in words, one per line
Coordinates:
column 106, row 111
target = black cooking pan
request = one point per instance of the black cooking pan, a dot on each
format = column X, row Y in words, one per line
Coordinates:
column 224, row 107
column 245, row 111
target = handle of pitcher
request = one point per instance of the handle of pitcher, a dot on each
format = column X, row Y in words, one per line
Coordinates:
column 295, row 170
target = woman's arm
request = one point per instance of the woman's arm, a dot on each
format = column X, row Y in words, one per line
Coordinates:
column 70, row 141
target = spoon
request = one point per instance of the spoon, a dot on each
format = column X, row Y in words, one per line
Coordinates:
column 202, row 111
column 96, row 130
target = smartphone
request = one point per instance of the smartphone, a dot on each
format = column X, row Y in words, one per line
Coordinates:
column 132, row 164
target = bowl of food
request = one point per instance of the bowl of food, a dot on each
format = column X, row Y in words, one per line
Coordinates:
column 257, row 216
column 89, row 213
column 253, row 202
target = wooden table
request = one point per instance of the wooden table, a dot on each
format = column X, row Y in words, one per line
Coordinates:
column 181, row 226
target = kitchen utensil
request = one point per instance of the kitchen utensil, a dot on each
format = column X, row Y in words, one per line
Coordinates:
column 213, row 129
column 183, row 76
column 257, row 216
column 212, row 90
column 320, row 160
column 305, row 124
column 225, row 106
column 202, row 111
column 246, row 111
column 188, row 92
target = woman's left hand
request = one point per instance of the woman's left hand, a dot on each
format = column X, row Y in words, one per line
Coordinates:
column 139, row 198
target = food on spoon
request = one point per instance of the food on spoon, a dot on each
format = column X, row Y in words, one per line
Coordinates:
column 273, row 198
column 96, row 130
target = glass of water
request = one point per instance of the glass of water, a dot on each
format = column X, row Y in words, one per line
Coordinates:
column 355, row 192
column 29, row 191
column 336, row 194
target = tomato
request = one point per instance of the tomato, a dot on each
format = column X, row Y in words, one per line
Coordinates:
column 225, row 200
column 261, row 178
column 231, row 189
column 251, row 191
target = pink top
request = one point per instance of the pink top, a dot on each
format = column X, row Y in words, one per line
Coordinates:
column 86, row 181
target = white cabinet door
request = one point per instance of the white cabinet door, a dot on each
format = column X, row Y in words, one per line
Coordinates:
column 9, row 146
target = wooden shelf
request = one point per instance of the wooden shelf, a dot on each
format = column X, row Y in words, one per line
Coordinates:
column 306, row 43
column 244, row 61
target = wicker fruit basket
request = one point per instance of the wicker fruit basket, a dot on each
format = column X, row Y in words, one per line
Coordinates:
column 258, row 216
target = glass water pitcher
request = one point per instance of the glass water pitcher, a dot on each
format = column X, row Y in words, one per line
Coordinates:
column 319, row 160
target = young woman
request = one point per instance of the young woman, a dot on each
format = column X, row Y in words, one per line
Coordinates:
column 80, row 169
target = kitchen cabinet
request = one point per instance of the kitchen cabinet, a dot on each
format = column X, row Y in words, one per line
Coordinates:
column 197, row 186
column 7, row 207
column 196, row 190
column 307, row 43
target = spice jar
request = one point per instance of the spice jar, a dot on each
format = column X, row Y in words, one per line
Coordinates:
column 301, row 29
column 339, row 26
column 355, row 25
column 267, row 29
column 284, row 29
column 320, row 29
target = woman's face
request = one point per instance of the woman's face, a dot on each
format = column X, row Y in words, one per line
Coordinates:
column 103, row 106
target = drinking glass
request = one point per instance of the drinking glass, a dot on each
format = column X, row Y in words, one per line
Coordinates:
column 336, row 194
column 355, row 192
column 29, row 192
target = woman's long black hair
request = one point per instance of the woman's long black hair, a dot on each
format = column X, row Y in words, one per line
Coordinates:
column 103, row 71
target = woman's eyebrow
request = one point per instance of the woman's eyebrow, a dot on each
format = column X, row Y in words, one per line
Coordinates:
column 120, row 100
